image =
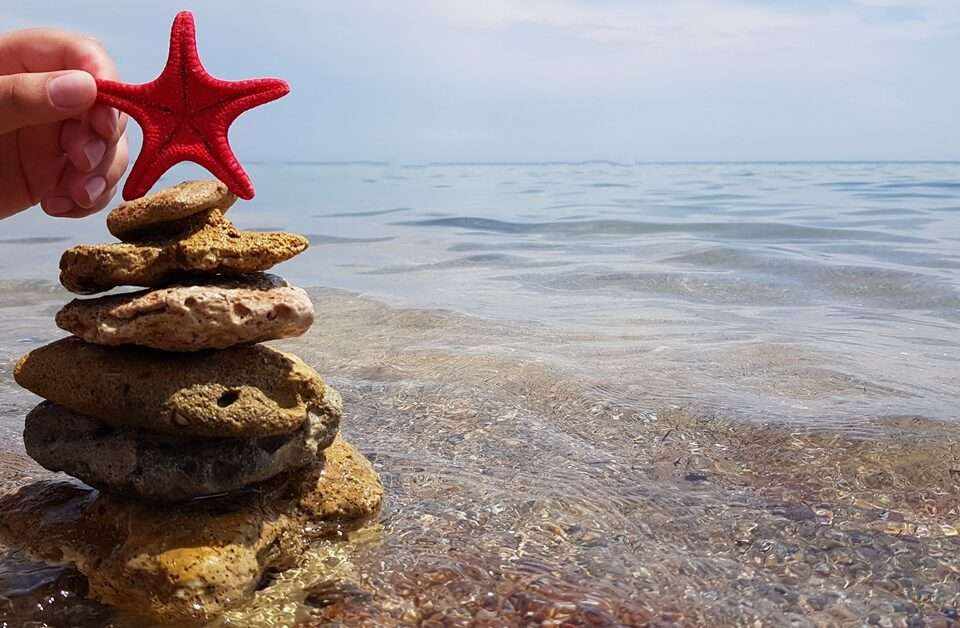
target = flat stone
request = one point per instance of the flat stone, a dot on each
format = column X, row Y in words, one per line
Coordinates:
column 209, row 245
column 167, row 468
column 192, row 561
column 164, row 211
column 214, row 314
column 245, row 392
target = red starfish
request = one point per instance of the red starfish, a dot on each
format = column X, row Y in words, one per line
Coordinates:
column 185, row 114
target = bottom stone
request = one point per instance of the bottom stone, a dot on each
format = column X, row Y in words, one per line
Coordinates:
column 193, row 561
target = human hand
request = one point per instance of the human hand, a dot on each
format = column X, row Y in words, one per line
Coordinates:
column 57, row 147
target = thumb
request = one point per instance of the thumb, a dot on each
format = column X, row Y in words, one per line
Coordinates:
column 30, row 99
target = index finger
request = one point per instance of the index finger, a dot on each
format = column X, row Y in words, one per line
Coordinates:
column 51, row 49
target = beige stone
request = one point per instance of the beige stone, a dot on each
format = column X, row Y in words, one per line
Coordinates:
column 193, row 561
column 209, row 245
column 164, row 211
column 246, row 392
column 214, row 314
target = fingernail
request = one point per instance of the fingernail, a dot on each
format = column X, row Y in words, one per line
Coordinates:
column 72, row 90
column 94, row 151
column 94, row 187
column 59, row 206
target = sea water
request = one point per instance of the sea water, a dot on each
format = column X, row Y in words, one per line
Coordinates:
column 600, row 392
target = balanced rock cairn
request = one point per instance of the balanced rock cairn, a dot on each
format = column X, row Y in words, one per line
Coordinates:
column 162, row 397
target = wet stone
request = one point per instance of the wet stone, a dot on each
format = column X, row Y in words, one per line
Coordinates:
column 241, row 392
column 165, row 468
column 329, row 593
column 794, row 512
column 192, row 562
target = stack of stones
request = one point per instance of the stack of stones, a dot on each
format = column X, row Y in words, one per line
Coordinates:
column 162, row 396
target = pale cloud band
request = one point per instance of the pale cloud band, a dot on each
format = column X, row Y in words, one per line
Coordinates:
column 569, row 79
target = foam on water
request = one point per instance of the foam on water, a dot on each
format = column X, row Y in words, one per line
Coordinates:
column 744, row 413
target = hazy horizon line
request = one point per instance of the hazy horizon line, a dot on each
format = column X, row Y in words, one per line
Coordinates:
column 587, row 162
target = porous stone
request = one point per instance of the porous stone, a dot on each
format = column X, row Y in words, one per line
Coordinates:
column 167, row 468
column 214, row 314
column 192, row 562
column 344, row 491
column 246, row 392
column 164, row 211
column 209, row 245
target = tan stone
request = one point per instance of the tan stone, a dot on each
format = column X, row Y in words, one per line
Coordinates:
column 164, row 211
column 246, row 392
column 209, row 245
column 215, row 314
column 347, row 495
column 190, row 562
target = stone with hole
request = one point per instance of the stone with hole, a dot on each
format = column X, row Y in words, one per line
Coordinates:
column 241, row 392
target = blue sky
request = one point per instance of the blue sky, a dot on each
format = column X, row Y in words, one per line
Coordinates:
column 545, row 80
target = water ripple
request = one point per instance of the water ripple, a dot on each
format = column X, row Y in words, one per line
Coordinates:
column 734, row 231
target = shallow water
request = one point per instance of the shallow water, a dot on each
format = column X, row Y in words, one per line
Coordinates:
column 703, row 394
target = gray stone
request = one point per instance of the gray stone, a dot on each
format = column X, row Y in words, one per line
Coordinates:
column 166, row 468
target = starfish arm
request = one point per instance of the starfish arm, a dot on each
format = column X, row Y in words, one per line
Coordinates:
column 235, row 97
column 138, row 182
column 259, row 92
column 148, row 168
column 183, row 56
column 238, row 96
column 143, row 174
column 146, row 173
column 126, row 98
column 219, row 159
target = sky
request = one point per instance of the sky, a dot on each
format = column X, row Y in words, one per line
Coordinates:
column 416, row 81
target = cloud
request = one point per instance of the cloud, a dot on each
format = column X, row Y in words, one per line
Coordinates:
column 576, row 44
column 567, row 79
column 716, row 20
